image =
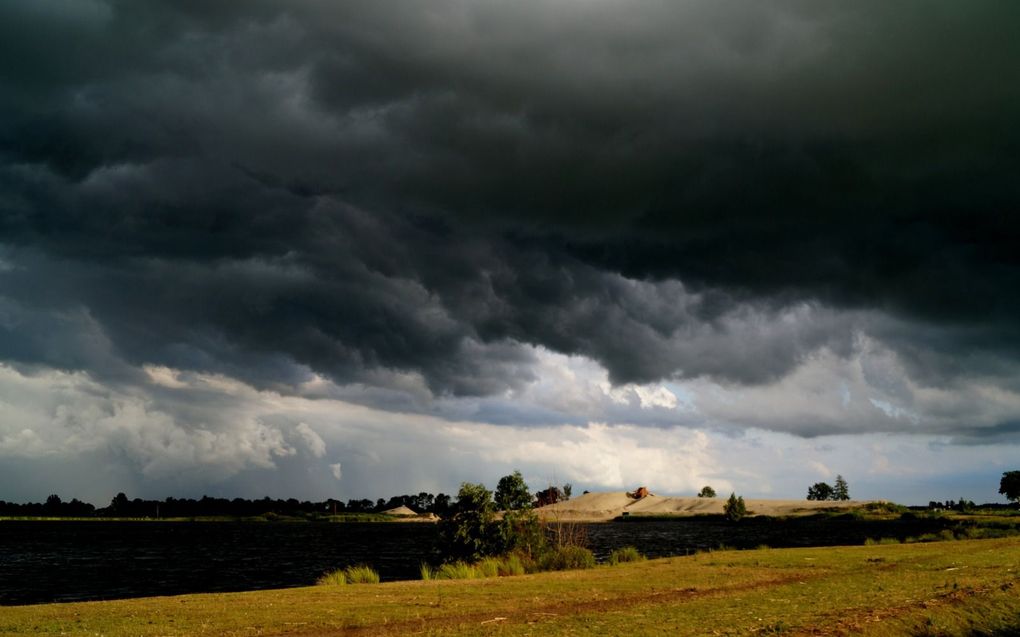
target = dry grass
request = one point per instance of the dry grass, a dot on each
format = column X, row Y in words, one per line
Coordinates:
column 969, row 587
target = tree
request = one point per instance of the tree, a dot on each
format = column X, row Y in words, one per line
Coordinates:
column 842, row 490
column 467, row 530
column 1009, row 486
column 52, row 505
column 441, row 504
column 512, row 493
column 119, row 504
column 519, row 529
column 552, row 495
column 819, row 491
column 734, row 508
column 567, row 490
column 706, row 492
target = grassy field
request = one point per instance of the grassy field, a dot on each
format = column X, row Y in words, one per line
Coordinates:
column 945, row 588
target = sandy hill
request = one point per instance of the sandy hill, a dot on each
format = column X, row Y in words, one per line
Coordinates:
column 606, row 506
column 400, row 511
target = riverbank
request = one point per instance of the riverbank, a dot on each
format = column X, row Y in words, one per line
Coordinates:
column 870, row 590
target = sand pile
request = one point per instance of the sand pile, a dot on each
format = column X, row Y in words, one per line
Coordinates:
column 400, row 511
column 594, row 507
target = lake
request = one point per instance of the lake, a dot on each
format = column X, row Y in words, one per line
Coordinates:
column 73, row 561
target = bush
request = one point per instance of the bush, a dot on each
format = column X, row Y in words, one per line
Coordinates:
column 566, row 558
column 520, row 531
column 625, row 554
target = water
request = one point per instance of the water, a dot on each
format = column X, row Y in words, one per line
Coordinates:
column 72, row 561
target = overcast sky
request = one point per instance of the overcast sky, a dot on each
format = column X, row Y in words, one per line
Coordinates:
column 355, row 249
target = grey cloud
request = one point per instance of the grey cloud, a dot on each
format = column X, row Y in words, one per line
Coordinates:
column 385, row 194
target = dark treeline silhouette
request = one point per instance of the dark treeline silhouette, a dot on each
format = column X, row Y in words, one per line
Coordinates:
column 171, row 507
column 53, row 507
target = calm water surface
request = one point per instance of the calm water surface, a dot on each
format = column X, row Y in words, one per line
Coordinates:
column 72, row 561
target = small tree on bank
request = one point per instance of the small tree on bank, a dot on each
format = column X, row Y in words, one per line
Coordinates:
column 735, row 508
column 468, row 529
column 471, row 531
column 520, row 528
column 706, row 492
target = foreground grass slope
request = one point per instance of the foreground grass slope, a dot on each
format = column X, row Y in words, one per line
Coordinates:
column 944, row 588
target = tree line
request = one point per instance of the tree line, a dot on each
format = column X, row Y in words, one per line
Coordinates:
column 122, row 506
column 439, row 504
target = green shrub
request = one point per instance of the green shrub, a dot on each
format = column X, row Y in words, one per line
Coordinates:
column 870, row 542
column 566, row 557
column 946, row 535
column 625, row 554
column 888, row 540
column 361, row 574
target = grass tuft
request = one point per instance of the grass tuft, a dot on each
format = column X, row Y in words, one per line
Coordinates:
column 456, row 570
column 566, row 558
column 488, row 567
column 625, row 554
column 333, row 578
column 359, row 574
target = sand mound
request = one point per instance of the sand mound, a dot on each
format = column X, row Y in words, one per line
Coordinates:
column 593, row 507
column 400, row 511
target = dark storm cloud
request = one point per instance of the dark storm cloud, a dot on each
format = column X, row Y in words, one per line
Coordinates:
column 369, row 190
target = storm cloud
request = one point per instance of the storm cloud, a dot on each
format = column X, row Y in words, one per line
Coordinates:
column 437, row 208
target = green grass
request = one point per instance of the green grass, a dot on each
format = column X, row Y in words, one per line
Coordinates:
column 427, row 571
column 625, row 554
column 566, row 558
column 358, row 574
column 972, row 588
column 507, row 565
column 333, row 578
column 456, row 570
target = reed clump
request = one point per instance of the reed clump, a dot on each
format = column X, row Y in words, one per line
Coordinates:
column 625, row 554
column 356, row 574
